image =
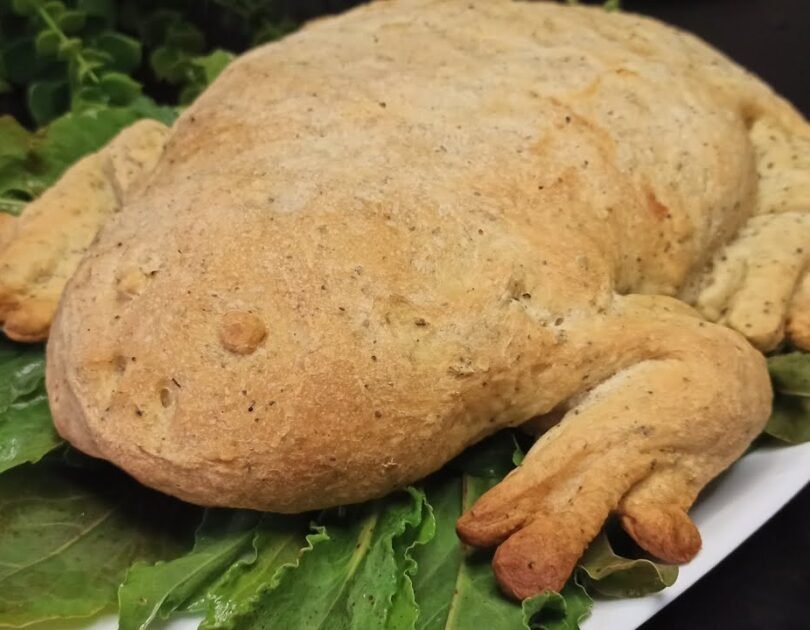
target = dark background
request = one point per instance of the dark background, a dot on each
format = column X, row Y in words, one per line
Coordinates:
column 765, row 584
column 769, row 37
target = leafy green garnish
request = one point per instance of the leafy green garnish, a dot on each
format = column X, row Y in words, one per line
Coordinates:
column 201, row 71
column 69, row 535
column 237, row 556
column 152, row 591
column 22, row 372
column 790, row 374
column 26, row 429
column 455, row 587
column 351, row 579
column 278, row 547
column 59, row 56
column 558, row 611
column 790, row 420
column 74, row 60
column 605, row 573
column 26, row 432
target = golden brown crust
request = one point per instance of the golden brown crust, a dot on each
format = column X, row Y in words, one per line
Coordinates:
column 539, row 556
column 666, row 532
column 437, row 222
column 53, row 232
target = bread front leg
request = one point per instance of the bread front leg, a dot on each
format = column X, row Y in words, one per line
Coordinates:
column 757, row 284
column 44, row 245
column 641, row 444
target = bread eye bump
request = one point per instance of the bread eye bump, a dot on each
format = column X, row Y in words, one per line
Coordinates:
column 241, row 332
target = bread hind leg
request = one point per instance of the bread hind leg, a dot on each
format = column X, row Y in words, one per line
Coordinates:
column 642, row 444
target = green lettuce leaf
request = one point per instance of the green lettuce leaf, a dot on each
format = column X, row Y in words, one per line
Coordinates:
column 608, row 574
column 67, row 536
column 790, row 373
column 558, row 611
column 26, row 432
column 351, row 579
column 22, row 372
column 26, row 429
column 455, row 587
column 790, row 419
column 278, row 546
column 161, row 589
column 404, row 610
column 199, row 72
column 238, row 556
column 211, row 65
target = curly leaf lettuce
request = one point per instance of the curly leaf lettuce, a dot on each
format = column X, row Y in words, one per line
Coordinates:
column 278, row 546
column 351, row 579
column 152, row 591
column 237, row 556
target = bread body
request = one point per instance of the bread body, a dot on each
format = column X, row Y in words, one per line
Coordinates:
column 384, row 238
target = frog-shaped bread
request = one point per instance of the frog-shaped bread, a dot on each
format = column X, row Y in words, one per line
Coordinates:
column 390, row 235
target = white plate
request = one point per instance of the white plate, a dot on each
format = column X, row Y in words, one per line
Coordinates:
column 733, row 508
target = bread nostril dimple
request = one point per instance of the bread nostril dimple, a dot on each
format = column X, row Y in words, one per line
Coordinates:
column 166, row 397
column 130, row 283
column 241, row 332
column 120, row 363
